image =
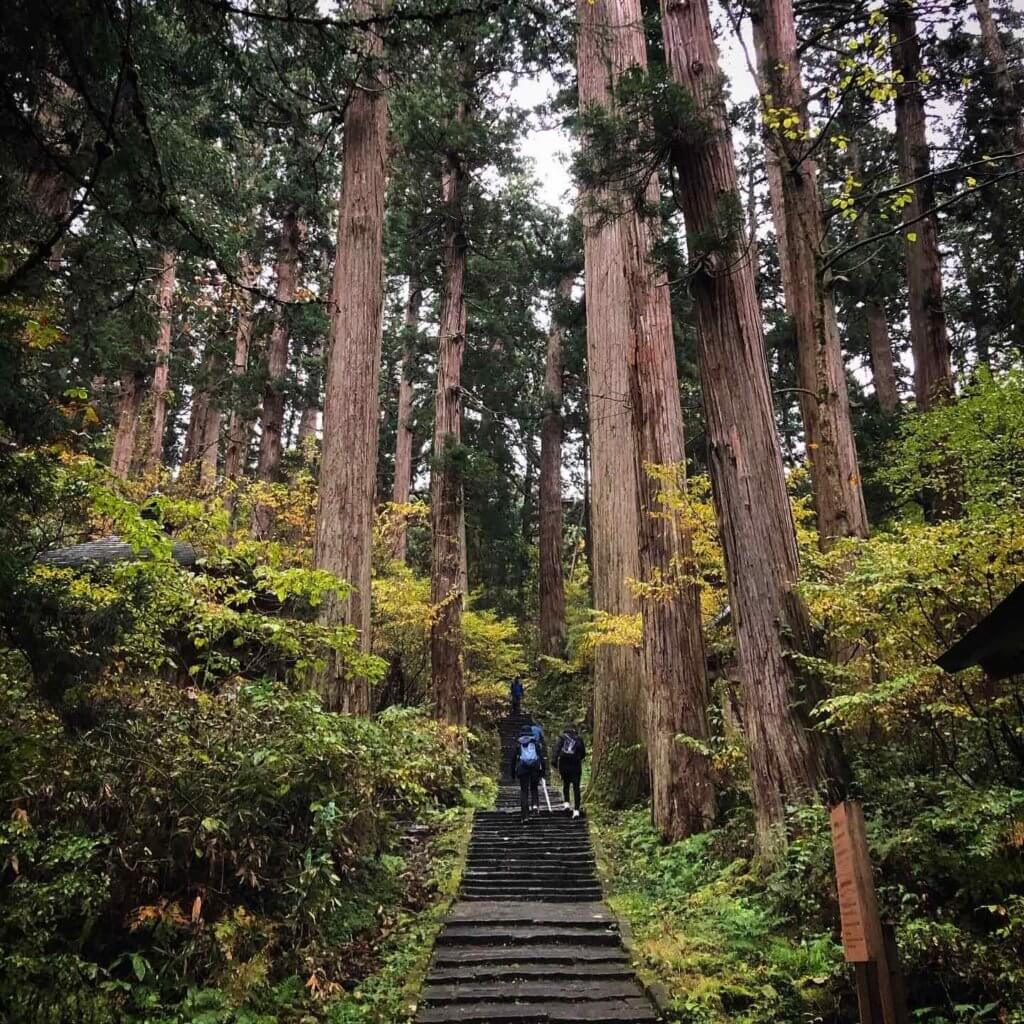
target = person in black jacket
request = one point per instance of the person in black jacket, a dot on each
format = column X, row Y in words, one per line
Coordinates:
column 529, row 766
column 568, row 759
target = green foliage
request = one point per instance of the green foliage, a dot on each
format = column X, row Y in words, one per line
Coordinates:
column 729, row 944
column 187, row 840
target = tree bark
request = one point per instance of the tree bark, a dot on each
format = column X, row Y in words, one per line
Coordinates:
column 788, row 761
column 272, row 419
column 821, row 372
column 447, row 512
column 929, row 338
column 344, row 526
column 309, row 422
column 133, row 389
column 236, row 449
column 551, row 581
column 404, row 436
column 1011, row 120
column 883, row 364
column 161, row 373
column 682, row 793
column 618, row 764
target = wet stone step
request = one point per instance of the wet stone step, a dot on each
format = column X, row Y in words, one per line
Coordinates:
column 547, row 991
column 571, row 970
column 520, row 935
column 618, row 1011
column 539, row 954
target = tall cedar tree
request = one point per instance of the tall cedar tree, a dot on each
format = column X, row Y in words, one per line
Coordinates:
column 286, row 273
column 674, row 661
column 824, row 401
column 447, row 513
column 619, row 699
column 549, row 540
column 1010, row 116
column 130, row 396
column 883, row 364
column 236, row 448
column 154, row 456
column 344, row 524
column 404, row 438
column 788, row 761
column 929, row 336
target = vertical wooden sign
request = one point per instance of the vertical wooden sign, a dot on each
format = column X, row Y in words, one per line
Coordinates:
column 863, row 939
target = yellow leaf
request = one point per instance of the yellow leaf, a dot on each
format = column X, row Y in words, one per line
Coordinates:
column 911, row 236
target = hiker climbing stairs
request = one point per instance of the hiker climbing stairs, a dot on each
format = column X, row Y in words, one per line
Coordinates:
column 529, row 940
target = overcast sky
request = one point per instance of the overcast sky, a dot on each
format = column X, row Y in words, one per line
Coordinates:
column 550, row 148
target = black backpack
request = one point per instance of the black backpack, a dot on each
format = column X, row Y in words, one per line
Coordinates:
column 570, row 748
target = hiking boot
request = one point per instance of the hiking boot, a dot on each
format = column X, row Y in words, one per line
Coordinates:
column 567, row 806
column 575, row 814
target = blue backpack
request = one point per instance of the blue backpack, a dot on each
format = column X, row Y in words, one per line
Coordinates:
column 528, row 756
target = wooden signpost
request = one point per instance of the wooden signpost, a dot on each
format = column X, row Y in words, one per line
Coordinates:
column 865, row 942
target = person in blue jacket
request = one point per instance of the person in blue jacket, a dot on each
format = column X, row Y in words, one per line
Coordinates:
column 529, row 766
column 515, row 691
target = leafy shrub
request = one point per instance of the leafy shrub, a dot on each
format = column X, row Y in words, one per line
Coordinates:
column 188, row 839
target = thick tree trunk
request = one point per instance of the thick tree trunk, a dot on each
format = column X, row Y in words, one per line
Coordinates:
column 1011, row 120
column 682, row 793
column 309, row 422
column 618, row 763
column 211, row 444
column 133, row 389
column 552, row 584
column 883, row 364
column 344, row 526
column 272, row 419
column 447, row 513
column 824, row 399
column 236, row 449
column 929, row 338
column 404, row 434
column 788, row 761
column 161, row 373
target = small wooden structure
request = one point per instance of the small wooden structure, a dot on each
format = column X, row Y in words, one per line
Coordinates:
column 996, row 643
column 868, row 943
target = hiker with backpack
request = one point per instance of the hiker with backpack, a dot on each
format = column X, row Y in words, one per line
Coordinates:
column 529, row 766
column 515, row 691
column 568, row 759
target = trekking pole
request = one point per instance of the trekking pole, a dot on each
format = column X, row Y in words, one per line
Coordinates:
column 547, row 799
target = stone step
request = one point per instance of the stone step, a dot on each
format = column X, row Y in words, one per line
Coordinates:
column 554, row 895
column 618, row 1011
column 530, row 913
column 542, row 953
column 568, row 971
column 593, row 990
column 524, row 934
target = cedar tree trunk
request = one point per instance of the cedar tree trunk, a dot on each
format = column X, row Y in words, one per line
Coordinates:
column 404, row 434
column 821, row 373
column 929, row 339
column 618, row 764
column 272, row 419
column 446, row 507
column 158, row 388
column 552, row 584
column 788, row 761
column 344, row 525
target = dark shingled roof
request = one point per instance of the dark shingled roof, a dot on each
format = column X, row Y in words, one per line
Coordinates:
column 996, row 643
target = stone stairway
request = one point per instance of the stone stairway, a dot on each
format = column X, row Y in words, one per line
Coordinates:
column 529, row 940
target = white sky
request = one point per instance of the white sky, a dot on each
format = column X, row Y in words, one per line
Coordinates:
column 550, row 148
